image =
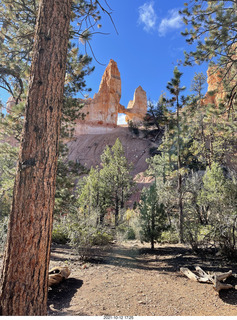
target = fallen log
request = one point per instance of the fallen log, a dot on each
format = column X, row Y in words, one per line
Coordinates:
column 217, row 285
column 189, row 274
column 204, row 277
column 58, row 274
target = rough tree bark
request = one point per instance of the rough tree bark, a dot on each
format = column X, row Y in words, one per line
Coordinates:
column 24, row 281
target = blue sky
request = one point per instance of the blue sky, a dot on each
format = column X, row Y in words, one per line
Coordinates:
column 147, row 48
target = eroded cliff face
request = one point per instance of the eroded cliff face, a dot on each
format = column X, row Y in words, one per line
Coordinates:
column 215, row 92
column 102, row 111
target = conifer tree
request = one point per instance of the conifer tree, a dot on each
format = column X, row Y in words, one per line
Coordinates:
column 220, row 197
column 17, row 20
column 213, row 30
column 175, row 89
column 210, row 130
column 116, row 177
column 17, row 24
column 92, row 197
column 152, row 215
column 156, row 115
column 108, row 187
column 198, row 85
column 24, row 281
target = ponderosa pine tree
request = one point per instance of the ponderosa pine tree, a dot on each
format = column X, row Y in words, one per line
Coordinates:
column 156, row 115
column 198, row 85
column 211, row 133
column 116, row 177
column 18, row 19
column 17, row 24
column 26, row 259
column 152, row 215
column 175, row 89
column 213, row 30
column 219, row 195
column 15, row 54
column 108, row 187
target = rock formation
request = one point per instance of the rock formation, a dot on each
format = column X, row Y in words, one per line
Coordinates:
column 137, row 108
column 103, row 108
column 215, row 91
column 102, row 111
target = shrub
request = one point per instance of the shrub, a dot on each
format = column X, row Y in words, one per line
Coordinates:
column 101, row 238
column 133, row 127
column 169, row 236
column 83, row 238
column 125, row 232
column 60, row 232
column 130, row 234
column 121, row 232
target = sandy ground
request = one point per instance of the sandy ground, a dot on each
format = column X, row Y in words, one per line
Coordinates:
column 129, row 279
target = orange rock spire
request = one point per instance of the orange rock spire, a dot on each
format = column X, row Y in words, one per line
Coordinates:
column 103, row 109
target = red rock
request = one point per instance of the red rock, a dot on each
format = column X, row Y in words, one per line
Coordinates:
column 103, row 109
column 215, row 86
column 137, row 108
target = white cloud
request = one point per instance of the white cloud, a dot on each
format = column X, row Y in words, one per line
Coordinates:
column 172, row 22
column 147, row 16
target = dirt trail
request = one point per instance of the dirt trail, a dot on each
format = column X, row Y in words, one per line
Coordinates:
column 129, row 279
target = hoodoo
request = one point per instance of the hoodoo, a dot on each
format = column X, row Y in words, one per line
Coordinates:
column 102, row 111
column 137, row 108
column 103, row 108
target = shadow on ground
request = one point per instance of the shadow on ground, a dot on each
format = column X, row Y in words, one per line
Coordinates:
column 230, row 296
column 60, row 296
column 169, row 259
column 164, row 259
column 62, row 251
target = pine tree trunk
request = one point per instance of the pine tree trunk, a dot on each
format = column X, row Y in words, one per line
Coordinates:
column 116, row 210
column 24, row 281
column 152, row 229
column 152, row 243
column 179, row 187
column 181, row 215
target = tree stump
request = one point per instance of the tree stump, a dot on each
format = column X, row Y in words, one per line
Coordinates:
column 58, row 274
